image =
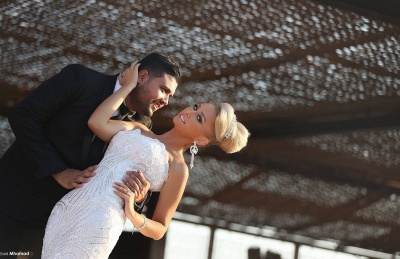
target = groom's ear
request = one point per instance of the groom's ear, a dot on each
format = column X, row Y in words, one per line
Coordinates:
column 202, row 141
column 143, row 76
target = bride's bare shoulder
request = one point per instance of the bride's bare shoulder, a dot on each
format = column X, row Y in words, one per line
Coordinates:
column 178, row 166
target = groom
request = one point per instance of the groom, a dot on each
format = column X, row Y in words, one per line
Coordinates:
column 55, row 151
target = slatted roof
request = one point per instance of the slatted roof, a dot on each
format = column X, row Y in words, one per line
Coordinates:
column 316, row 82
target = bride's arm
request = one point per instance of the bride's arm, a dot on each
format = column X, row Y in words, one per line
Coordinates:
column 99, row 122
column 170, row 196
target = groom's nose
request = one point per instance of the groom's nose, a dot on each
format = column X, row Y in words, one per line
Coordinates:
column 165, row 100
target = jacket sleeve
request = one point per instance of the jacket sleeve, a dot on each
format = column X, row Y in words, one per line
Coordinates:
column 28, row 119
column 139, row 206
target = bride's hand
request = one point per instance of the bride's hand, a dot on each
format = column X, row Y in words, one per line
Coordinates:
column 129, row 197
column 129, row 77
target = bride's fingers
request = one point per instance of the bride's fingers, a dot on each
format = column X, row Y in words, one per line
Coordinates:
column 122, row 194
column 123, row 191
column 132, row 66
column 120, row 185
column 121, row 188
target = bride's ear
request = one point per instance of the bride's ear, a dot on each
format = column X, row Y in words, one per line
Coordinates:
column 202, row 141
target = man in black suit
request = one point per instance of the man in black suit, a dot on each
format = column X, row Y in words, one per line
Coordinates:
column 55, row 151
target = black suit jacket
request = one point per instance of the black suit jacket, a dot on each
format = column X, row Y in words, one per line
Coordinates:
column 52, row 135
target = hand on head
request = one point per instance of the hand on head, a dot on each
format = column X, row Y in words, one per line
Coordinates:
column 129, row 77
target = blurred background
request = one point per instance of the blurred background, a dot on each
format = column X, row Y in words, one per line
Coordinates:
column 316, row 82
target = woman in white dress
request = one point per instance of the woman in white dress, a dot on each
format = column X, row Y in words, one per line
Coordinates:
column 87, row 222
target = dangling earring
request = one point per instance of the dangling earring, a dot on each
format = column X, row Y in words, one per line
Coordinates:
column 193, row 151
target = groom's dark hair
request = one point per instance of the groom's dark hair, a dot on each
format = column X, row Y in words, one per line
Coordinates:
column 158, row 65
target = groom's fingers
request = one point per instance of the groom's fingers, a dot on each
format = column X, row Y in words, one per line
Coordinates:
column 89, row 172
column 81, row 180
column 144, row 184
column 139, row 179
column 131, row 182
column 82, row 177
column 77, row 185
column 85, row 175
column 68, row 178
column 138, row 184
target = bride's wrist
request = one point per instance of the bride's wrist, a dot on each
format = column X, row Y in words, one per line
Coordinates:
column 143, row 225
column 137, row 219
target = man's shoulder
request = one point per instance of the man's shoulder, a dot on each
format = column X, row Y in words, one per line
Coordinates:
column 76, row 69
column 77, row 66
column 80, row 70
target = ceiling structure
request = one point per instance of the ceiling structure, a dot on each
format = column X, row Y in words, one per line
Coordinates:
column 317, row 83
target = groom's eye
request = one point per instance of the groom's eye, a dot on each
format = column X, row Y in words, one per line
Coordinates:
column 195, row 107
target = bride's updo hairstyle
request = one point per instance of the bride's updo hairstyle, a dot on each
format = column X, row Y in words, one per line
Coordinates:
column 230, row 135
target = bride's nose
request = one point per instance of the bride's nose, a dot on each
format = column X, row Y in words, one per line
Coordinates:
column 189, row 113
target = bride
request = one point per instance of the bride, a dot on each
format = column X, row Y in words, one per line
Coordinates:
column 87, row 222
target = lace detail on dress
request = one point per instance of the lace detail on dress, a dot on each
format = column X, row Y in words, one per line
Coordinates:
column 87, row 222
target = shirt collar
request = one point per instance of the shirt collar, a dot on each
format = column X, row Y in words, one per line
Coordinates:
column 116, row 88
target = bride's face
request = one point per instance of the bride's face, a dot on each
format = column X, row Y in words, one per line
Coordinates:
column 197, row 121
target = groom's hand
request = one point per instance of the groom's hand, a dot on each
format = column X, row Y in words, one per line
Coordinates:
column 72, row 178
column 138, row 184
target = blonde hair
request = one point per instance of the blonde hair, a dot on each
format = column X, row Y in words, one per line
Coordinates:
column 230, row 135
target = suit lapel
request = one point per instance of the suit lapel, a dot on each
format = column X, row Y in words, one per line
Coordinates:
column 89, row 137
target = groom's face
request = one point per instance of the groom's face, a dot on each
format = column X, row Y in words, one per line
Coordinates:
column 151, row 94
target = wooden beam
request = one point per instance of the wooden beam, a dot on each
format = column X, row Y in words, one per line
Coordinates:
column 291, row 129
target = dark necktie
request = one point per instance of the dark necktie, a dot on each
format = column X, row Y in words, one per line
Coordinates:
column 124, row 113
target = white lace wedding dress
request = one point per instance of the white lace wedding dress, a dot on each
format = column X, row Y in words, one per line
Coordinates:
column 87, row 222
